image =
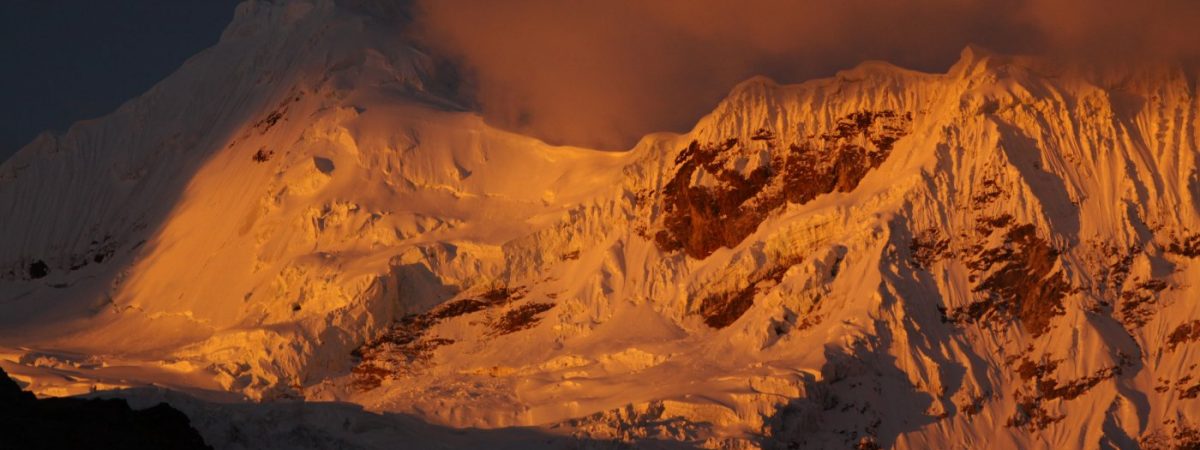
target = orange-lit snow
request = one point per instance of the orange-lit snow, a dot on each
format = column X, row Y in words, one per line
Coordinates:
column 265, row 211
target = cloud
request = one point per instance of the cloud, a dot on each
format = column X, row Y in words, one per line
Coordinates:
column 603, row 73
column 1117, row 30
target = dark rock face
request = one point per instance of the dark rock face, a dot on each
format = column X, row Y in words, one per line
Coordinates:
column 1043, row 388
column 723, row 309
column 720, row 311
column 1139, row 302
column 721, row 192
column 409, row 345
column 64, row 423
column 699, row 219
column 1017, row 280
column 928, row 247
column 1188, row 332
column 1024, row 283
column 263, row 155
column 1188, row 246
column 38, row 269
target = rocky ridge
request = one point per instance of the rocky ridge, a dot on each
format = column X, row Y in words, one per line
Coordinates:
column 999, row 254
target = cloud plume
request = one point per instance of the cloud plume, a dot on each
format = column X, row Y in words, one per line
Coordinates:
column 602, row 74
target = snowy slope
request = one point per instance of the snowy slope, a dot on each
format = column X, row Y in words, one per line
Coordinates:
column 1002, row 255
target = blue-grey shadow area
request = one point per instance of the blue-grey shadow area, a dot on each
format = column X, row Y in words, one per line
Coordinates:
column 297, row 424
column 1024, row 154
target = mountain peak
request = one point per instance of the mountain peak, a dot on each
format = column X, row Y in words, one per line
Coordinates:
column 975, row 59
column 881, row 257
column 876, row 68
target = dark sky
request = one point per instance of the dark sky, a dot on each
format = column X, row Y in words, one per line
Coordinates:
column 637, row 66
column 69, row 60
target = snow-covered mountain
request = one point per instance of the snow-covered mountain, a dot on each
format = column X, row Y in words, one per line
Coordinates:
column 1004, row 255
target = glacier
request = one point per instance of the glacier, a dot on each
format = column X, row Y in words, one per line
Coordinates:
column 304, row 238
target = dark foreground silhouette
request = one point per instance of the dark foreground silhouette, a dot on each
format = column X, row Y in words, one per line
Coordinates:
column 61, row 423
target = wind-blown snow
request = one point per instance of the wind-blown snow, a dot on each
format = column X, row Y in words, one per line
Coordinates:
column 303, row 212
